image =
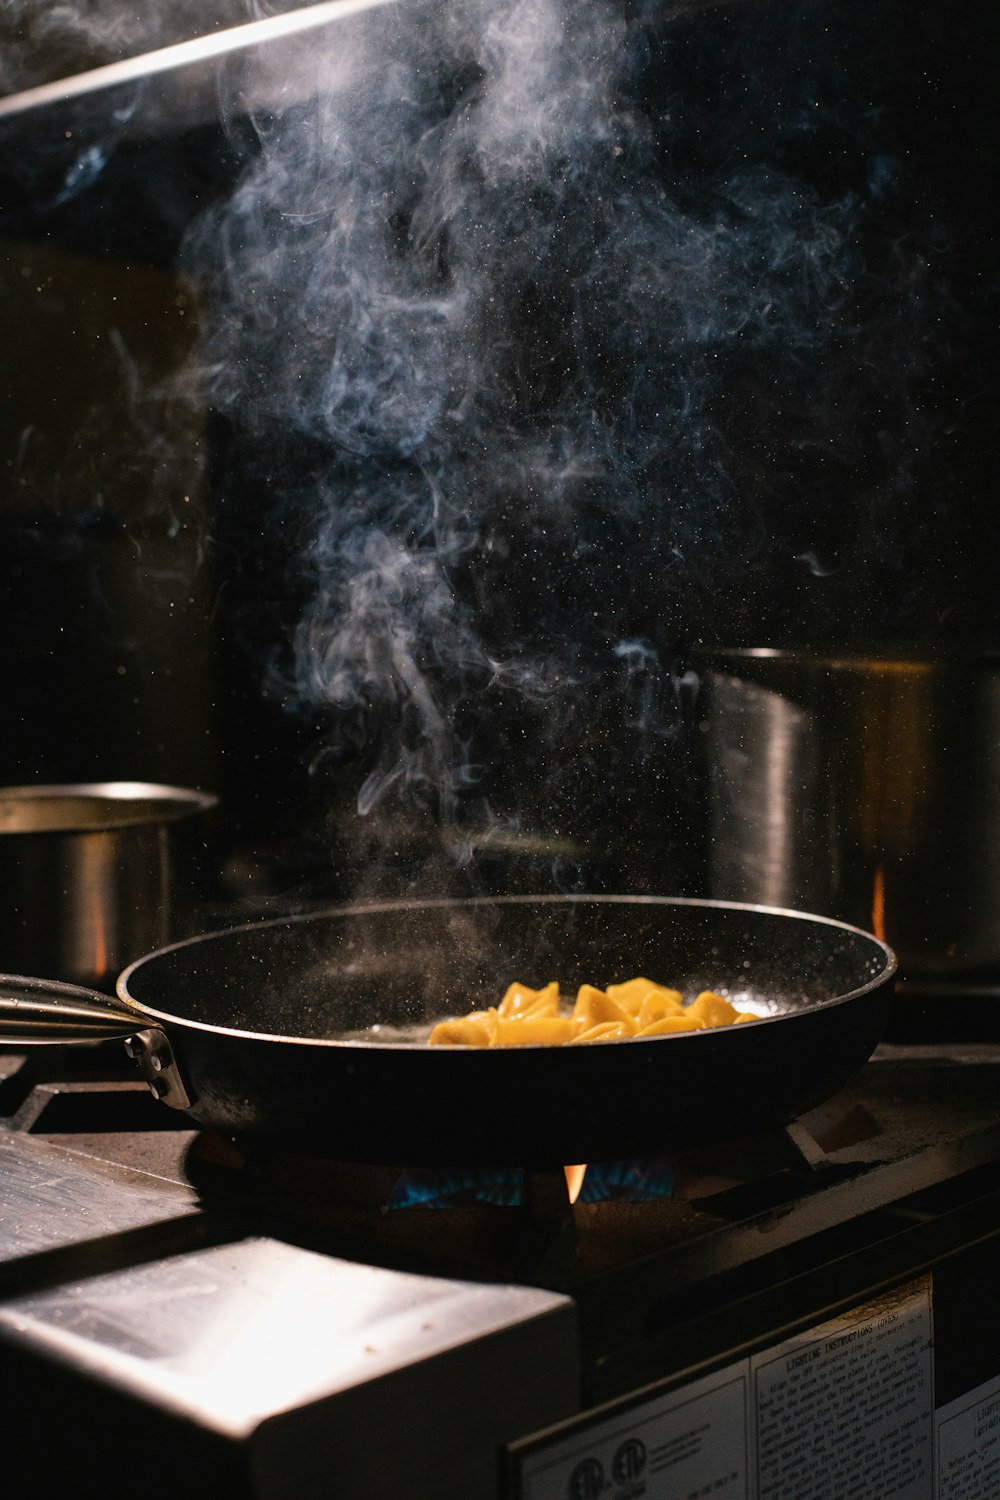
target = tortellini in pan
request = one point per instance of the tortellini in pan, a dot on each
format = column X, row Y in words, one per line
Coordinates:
column 638, row 1007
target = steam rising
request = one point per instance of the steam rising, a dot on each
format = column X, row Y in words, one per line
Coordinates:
column 545, row 341
column 554, row 338
column 546, row 372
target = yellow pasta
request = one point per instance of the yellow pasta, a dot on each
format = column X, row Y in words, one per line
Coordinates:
column 712, row 1009
column 595, row 1007
column 520, row 1001
column 648, row 1001
column 666, row 1024
column 603, row 1031
column 638, row 1007
column 479, row 1029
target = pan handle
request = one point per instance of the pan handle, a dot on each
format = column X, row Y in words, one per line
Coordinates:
column 45, row 1010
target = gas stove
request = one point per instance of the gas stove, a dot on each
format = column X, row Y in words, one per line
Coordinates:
column 185, row 1312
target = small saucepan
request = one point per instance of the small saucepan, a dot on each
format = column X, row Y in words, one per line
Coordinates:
column 86, row 874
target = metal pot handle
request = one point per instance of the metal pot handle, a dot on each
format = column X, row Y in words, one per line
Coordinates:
column 45, row 1010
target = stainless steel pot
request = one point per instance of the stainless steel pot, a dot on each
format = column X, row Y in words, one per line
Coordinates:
column 865, row 788
column 85, row 875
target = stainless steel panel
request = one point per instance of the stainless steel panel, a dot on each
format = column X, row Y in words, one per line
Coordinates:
column 51, row 1199
column 393, row 1382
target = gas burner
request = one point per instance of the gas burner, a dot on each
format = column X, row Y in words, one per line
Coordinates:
column 401, row 1189
column 285, row 1175
column 519, row 1222
column 632, row 1181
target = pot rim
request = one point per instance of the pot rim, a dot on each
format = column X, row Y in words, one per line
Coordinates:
column 96, row 806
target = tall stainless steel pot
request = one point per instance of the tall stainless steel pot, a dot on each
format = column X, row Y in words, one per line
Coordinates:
column 85, row 875
column 863, row 787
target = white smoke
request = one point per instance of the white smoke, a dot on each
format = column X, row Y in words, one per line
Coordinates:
column 469, row 274
column 547, row 327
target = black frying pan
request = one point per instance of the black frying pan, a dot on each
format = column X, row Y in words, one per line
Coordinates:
column 245, row 1029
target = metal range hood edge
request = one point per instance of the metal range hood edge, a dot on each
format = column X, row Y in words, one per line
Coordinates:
column 187, row 72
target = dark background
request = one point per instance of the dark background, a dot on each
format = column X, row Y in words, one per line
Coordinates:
column 151, row 546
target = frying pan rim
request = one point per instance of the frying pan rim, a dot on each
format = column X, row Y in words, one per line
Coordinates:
column 166, row 1018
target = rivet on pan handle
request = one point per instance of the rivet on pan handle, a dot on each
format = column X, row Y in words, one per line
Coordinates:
column 152, row 1051
column 37, row 1011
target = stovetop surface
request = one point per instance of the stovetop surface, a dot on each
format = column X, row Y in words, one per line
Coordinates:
column 915, row 1117
column 230, row 1285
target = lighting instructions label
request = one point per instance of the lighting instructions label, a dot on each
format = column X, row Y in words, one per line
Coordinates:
column 847, row 1409
column 968, row 1445
column 843, row 1411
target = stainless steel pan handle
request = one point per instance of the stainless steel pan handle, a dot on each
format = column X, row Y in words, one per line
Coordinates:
column 44, row 1010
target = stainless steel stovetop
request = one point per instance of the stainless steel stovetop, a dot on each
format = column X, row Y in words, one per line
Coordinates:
column 207, row 1316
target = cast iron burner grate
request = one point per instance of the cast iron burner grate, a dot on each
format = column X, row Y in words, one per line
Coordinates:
column 913, row 1117
column 281, row 1175
column 516, row 1222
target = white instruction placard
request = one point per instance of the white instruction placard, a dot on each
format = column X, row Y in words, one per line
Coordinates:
column 968, row 1445
column 688, row 1444
column 843, row 1409
column 847, row 1408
